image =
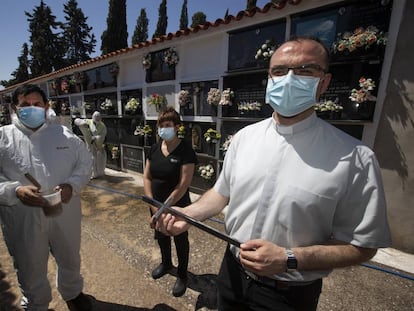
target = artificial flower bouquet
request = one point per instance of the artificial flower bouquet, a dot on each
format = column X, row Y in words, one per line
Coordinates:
column 181, row 132
column 328, row 106
column 213, row 96
column 225, row 146
column 212, row 136
column 266, row 51
column 359, row 38
column 249, row 106
column 364, row 93
column 107, row 104
column 146, row 61
column 132, row 105
column 170, row 57
column 184, row 98
column 156, row 100
column 206, row 171
column 145, row 130
column 227, row 97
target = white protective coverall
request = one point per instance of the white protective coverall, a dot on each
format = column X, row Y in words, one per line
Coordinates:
column 53, row 155
column 94, row 133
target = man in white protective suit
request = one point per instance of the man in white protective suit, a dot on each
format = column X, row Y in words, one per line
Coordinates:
column 94, row 133
column 59, row 161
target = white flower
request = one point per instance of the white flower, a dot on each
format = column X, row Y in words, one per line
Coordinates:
column 206, row 171
column 131, row 105
column 107, row 104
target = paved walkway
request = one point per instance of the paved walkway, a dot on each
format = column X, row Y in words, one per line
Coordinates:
column 118, row 254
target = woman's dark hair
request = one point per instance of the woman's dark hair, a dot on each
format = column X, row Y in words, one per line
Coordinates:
column 169, row 114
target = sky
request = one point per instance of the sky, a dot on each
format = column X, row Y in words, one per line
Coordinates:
column 14, row 25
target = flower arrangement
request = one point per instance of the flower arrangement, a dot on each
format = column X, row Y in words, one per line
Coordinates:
column 184, row 98
column 145, row 130
column 156, row 100
column 106, row 104
column 64, row 85
column 364, row 93
column 132, row 105
column 181, row 131
column 213, row 96
column 146, row 61
column 266, row 51
column 114, row 69
column 170, row 57
column 249, row 106
column 226, row 97
column 115, row 152
column 206, row 171
column 225, row 146
column 212, row 136
column 328, row 106
column 359, row 38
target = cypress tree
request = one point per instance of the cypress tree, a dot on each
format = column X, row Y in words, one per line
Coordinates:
column 251, row 4
column 80, row 43
column 47, row 49
column 21, row 74
column 115, row 37
column 162, row 20
column 184, row 16
column 141, row 29
column 199, row 18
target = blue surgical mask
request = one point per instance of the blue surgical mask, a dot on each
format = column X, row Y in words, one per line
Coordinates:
column 290, row 95
column 166, row 133
column 31, row 116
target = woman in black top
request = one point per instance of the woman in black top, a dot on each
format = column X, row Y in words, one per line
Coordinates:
column 168, row 173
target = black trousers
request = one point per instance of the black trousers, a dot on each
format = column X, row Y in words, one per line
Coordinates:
column 238, row 291
column 182, row 247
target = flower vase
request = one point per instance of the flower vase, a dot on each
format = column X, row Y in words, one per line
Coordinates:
column 225, row 110
column 140, row 140
column 148, row 140
column 213, row 110
column 366, row 110
column 211, row 149
column 324, row 114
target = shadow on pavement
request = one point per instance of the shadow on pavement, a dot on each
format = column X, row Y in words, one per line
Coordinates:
column 205, row 284
column 108, row 306
column 115, row 179
column 7, row 298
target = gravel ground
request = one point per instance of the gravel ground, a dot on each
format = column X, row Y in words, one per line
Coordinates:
column 119, row 252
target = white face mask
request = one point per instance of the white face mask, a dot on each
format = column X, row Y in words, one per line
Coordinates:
column 166, row 133
column 290, row 94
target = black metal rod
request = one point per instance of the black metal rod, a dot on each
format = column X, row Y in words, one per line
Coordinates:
column 192, row 221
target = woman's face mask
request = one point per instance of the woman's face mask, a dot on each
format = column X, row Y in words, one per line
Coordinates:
column 31, row 116
column 291, row 94
column 166, row 133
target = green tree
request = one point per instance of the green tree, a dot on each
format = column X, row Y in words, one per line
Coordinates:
column 251, row 4
column 47, row 50
column 115, row 37
column 184, row 16
column 162, row 20
column 80, row 43
column 141, row 29
column 199, row 18
column 21, row 74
